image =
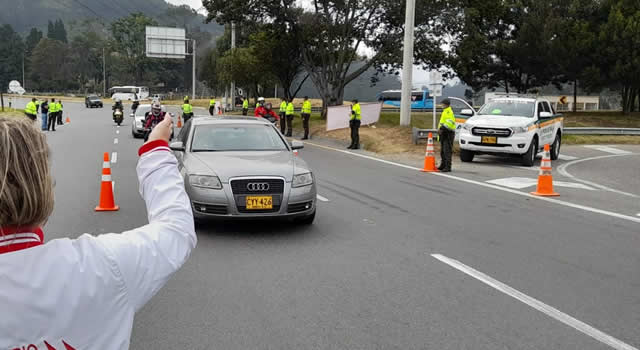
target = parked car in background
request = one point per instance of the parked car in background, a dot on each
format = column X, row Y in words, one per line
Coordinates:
column 93, row 101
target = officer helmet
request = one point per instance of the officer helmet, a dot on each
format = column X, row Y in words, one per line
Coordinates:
column 268, row 105
column 117, row 100
column 156, row 109
column 446, row 102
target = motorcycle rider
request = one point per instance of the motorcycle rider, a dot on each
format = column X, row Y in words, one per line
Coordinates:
column 152, row 118
column 266, row 112
column 117, row 104
column 135, row 105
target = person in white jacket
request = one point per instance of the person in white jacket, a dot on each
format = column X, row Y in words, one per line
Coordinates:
column 82, row 293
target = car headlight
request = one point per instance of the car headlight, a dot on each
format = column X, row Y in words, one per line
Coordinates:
column 138, row 123
column 300, row 180
column 520, row 129
column 205, row 181
column 467, row 126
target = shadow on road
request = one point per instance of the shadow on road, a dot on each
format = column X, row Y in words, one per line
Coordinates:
column 253, row 229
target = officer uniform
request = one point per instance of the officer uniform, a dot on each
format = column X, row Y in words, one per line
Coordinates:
column 283, row 114
column 31, row 110
column 245, row 106
column 306, row 115
column 187, row 111
column 59, row 113
column 289, row 114
column 212, row 106
column 354, row 124
column 53, row 110
column 447, row 132
column 44, row 110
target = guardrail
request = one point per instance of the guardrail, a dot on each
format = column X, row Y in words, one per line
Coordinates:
column 422, row 134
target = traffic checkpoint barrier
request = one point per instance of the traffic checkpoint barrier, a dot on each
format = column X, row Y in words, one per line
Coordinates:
column 107, row 202
column 429, row 157
column 545, row 179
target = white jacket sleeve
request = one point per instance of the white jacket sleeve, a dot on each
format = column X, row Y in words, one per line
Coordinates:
column 147, row 256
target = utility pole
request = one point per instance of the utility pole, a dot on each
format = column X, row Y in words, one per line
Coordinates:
column 24, row 83
column 233, row 83
column 193, row 73
column 104, row 76
column 407, row 65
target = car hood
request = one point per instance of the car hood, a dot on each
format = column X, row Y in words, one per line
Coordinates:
column 227, row 165
column 499, row 121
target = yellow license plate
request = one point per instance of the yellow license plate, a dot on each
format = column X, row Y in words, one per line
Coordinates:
column 489, row 139
column 259, row 202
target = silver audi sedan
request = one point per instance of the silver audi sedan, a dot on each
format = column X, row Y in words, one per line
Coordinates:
column 242, row 167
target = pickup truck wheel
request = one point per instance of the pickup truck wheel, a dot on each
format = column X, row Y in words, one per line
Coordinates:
column 530, row 157
column 555, row 147
column 466, row 156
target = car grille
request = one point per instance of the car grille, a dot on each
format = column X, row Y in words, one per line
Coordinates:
column 243, row 187
column 478, row 131
column 275, row 186
column 298, row 207
column 210, row 208
column 497, row 145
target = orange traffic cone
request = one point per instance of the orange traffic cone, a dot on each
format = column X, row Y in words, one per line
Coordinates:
column 429, row 157
column 179, row 122
column 68, row 120
column 106, row 190
column 545, row 180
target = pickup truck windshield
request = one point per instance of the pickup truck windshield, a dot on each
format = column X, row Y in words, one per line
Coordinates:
column 509, row 108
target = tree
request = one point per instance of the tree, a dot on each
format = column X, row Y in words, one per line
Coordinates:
column 331, row 34
column 243, row 66
column 51, row 72
column 11, row 51
column 129, row 42
column 51, row 30
column 61, row 32
column 86, row 58
column 32, row 40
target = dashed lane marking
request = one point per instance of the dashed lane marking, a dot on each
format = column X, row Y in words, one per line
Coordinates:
column 321, row 198
column 115, row 141
column 495, row 187
column 608, row 149
column 537, row 304
column 117, row 131
column 114, row 157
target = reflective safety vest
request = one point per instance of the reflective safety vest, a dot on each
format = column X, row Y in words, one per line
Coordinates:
column 37, row 105
column 356, row 113
column 186, row 108
column 59, row 106
column 447, row 119
column 52, row 107
column 31, row 108
column 289, row 110
column 245, row 104
column 212, row 102
column 306, row 107
column 283, row 107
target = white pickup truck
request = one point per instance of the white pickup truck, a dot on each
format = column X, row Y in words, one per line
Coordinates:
column 511, row 126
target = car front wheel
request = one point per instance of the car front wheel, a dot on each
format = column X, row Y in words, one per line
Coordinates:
column 555, row 147
column 466, row 156
column 530, row 157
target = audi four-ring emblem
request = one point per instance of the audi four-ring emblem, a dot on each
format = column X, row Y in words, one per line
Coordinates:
column 258, row 186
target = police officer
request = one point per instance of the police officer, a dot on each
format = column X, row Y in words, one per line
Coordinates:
column 354, row 124
column 59, row 112
column 212, row 106
column 44, row 110
column 289, row 114
column 31, row 110
column 245, row 106
column 306, row 115
column 53, row 107
column 187, row 110
column 283, row 114
column 447, row 132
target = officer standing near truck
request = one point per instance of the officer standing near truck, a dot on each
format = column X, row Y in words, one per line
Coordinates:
column 354, row 125
column 447, row 132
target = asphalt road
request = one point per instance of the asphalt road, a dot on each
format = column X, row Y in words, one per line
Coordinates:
column 364, row 275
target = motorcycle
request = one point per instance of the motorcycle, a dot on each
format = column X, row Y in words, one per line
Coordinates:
column 118, row 116
column 147, row 131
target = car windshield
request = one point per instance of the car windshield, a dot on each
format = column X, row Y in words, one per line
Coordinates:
column 509, row 108
column 94, row 98
column 217, row 138
column 141, row 111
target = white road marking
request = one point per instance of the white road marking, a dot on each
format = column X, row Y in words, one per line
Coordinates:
column 530, row 168
column 118, row 126
column 566, row 157
column 114, row 157
column 322, row 198
column 537, row 304
column 562, row 169
column 495, row 187
column 608, row 149
column 524, row 182
column 117, row 131
column 115, row 141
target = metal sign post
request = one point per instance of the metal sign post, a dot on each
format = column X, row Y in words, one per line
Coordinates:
column 435, row 90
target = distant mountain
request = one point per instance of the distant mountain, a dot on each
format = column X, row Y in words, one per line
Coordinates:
column 22, row 15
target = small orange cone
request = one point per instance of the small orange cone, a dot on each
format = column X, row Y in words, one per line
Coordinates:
column 429, row 157
column 220, row 110
column 106, row 190
column 545, row 179
column 179, row 122
column 68, row 120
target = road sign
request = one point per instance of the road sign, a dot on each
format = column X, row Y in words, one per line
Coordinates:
column 14, row 86
column 435, row 77
column 563, row 100
column 165, row 42
column 435, row 90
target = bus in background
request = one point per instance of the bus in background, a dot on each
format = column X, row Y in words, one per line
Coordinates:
column 420, row 99
column 129, row 93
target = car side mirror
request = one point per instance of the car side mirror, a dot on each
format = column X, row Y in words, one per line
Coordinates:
column 297, row 145
column 467, row 112
column 177, row 146
column 546, row 115
column 132, row 115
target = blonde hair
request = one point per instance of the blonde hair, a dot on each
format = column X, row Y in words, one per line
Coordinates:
column 26, row 185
